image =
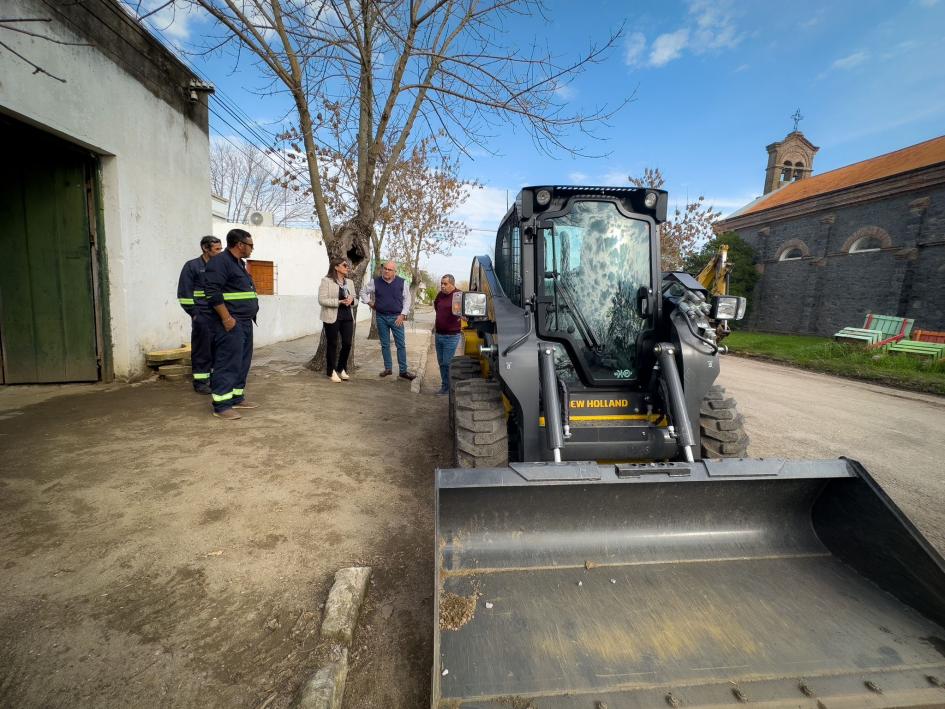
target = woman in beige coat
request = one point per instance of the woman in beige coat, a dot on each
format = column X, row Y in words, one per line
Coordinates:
column 336, row 295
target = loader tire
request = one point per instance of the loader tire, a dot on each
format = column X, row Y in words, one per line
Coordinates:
column 480, row 436
column 721, row 427
column 462, row 368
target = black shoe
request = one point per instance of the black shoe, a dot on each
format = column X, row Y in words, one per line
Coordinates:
column 202, row 389
column 409, row 376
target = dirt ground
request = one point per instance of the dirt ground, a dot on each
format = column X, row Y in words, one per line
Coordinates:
column 154, row 556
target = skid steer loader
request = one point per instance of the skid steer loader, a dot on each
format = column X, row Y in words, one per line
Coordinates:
column 603, row 540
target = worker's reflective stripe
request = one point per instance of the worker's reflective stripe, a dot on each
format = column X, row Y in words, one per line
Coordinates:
column 186, row 301
column 199, row 294
column 201, row 376
column 243, row 295
column 237, row 392
column 223, row 397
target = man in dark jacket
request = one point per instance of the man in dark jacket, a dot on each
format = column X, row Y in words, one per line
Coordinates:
column 448, row 329
column 232, row 295
column 191, row 296
column 389, row 298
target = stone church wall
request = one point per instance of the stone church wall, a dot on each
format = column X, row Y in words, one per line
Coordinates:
column 829, row 288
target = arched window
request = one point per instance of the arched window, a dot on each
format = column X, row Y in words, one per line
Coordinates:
column 867, row 239
column 786, row 172
column 793, row 250
column 798, row 170
column 866, row 243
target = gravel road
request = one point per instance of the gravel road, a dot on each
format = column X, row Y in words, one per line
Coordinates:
column 898, row 436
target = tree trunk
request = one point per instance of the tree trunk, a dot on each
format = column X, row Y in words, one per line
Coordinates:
column 372, row 331
column 352, row 242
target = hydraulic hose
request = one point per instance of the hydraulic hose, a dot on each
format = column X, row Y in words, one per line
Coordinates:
column 565, row 412
column 666, row 354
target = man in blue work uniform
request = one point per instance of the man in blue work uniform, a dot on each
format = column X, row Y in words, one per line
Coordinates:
column 232, row 295
column 191, row 296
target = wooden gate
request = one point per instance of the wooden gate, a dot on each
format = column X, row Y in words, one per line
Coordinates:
column 47, row 304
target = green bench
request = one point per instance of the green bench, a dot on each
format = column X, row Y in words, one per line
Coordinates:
column 877, row 331
column 925, row 343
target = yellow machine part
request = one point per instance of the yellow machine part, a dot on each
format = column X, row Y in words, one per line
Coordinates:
column 714, row 277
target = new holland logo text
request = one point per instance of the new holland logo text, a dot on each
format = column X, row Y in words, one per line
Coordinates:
column 599, row 403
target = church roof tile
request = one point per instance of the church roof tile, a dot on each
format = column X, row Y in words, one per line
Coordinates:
column 915, row 157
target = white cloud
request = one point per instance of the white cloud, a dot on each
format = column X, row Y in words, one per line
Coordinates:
column 633, row 48
column 485, row 207
column 668, row 47
column 565, row 92
column 578, row 178
column 616, row 177
column 928, row 3
column 174, row 21
column 850, row 61
column 714, row 25
column 709, row 26
column 742, row 67
column 729, row 204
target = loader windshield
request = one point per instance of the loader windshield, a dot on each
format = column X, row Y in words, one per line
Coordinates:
column 595, row 261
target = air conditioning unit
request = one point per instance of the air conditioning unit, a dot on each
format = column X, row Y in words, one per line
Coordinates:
column 261, row 218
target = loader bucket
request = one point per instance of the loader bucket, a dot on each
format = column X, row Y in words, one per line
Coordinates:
column 714, row 584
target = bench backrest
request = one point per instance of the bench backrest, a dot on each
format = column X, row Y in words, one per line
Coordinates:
column 889, row 325
column 929, row 336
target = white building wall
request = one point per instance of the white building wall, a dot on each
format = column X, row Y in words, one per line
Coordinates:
column 155, row 176
column 300, row 263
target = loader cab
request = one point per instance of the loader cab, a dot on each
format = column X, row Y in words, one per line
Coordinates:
column 587, row 257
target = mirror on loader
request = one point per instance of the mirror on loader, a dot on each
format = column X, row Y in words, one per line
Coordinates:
column 469, row 305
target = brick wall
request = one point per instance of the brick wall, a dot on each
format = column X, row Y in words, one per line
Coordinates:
column 830, row 288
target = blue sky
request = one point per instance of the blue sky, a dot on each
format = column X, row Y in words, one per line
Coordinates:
column 713, row 83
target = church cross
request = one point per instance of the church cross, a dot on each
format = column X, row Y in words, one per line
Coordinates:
column 797, row 118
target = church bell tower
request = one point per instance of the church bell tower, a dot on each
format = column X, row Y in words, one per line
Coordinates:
column 790, row 159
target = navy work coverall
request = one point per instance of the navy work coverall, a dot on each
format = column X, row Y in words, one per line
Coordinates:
column 191, row 296
column 227, row 281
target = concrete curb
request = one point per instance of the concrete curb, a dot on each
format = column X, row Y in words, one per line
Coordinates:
column 344, row 603
column 326, row 689
column 422, row 366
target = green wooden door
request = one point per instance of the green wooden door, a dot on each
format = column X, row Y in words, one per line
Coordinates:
column 47, row 316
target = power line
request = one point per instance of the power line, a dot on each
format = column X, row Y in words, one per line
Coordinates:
column 225, row 103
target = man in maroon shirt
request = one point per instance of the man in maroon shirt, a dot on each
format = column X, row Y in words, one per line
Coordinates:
column 448, row 328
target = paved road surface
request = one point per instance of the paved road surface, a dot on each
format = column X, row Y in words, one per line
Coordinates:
column 898, row 436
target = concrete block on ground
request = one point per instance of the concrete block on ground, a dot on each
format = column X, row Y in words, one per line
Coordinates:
column 422, row 366
column 344, row 603
column 327, row 688
column 156, row 358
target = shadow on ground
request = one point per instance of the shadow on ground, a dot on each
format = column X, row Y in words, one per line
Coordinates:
column 155, row 556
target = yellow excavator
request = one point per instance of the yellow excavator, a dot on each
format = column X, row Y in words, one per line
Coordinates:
column 604, row 538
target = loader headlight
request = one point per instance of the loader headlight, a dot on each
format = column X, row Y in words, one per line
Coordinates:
column 728, row 307
column 543, row 197
column 650, row 199
column 474, row 305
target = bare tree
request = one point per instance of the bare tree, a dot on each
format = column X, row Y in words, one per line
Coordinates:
column 685, row 229
column 400, row 66
column 253, row 181
column 427, row 189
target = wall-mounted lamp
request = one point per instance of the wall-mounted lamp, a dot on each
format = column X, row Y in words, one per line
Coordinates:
column 198, row 87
